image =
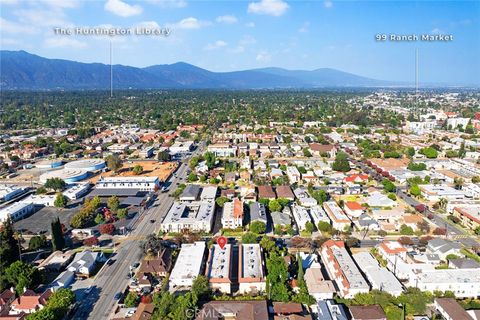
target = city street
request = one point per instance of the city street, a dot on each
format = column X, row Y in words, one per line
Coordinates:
column 99, row 303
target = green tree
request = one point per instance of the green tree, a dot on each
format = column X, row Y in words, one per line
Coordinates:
column 22, row 275
column 192, row 177
column 429, row 152
column 113, row 203
column 99, row 219
column 417, row 166
column 60, row 201
column 37, row 242
column 277, row 277
column 274, row 205
column 324, row 226
column 58, row 240
column 137, row 169
column 9, row 250
column 131, row 300
column 249, row 237
column 258, row 227
column 114, row 162
column 267, row 244
column 321, row 196
column 406, row 230
column 200, row 287
column 122, row 213
column 341, row 162
column 221, row 201
column 388, row 186
column 210, row 159
column 415, row 190
column 309, row 227
column 55, row 184
column 163, row 156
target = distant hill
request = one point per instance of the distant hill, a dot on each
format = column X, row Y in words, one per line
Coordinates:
column 22, row 70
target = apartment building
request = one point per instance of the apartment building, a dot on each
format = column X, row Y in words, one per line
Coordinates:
column 188, row 266
column 232, row 214
column 193, row 216
column 219, row 268
column 251, row 276
column 339, row 219
column 342, row 269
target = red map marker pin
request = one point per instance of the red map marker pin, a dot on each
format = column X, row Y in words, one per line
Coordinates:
column 222, row 241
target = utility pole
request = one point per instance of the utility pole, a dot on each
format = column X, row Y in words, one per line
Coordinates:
column 111, row 71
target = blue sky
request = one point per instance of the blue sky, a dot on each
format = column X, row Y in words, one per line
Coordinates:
column 236, row 35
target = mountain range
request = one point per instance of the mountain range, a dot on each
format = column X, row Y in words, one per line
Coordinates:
column 25, row 71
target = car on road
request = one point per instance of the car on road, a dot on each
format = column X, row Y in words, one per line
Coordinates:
column 135, row 265
column 109, row 262
column 152, row 220
column 118, row 296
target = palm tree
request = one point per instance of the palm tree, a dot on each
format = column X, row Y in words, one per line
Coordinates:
column 443, row 203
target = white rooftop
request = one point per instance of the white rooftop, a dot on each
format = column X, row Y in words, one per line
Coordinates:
column 220, row 261
column 189, row 261
column 251, row 261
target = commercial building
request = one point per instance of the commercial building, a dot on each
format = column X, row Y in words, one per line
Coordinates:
column 49, row 164
column 77, row 191
column 188, row 266
column 251, row 277
column 219, row 268
column 69, row 175
column 232, row 214
column 8, row 192
column 40, row 200
column 337, row 216
column 181, row 147
column 90, row 165
column 342, row 269
column 140, row 183
column 379, row 278
column 193, row 216
column 222, row 150
column 146, row 153
column 15, row 211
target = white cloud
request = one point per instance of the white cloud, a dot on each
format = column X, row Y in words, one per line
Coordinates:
column 43, row 18
column 238, row 49
column 328, row 4
column 436, row 31
column 9, row 2
column 263, row 56
column 247, row 40
column 216, row 45
column 9, row 41
column 122, row 9
column 304, row 27
column 250, row 24
column 61, row 3
column 57, row 42
column 228, row 19
column 269, row 7
column 191, row 23
column 13, row 27
column 169, row 3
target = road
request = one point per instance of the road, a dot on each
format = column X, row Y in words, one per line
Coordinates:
column 110, row 280
column 438, row 220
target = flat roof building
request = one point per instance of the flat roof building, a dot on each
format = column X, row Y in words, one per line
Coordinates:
column 188, row 266
column 193, row 216
column 8, row 192
column 379, row 278
column 337, row 216
column 140, row 183
column 15, row 211
column 318, row 215
column 251, row 277
column 77, row 191
column 301, row 216
column 342, row 269
column 219, row 268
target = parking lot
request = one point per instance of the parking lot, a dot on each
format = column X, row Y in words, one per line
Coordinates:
column 39, row 221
